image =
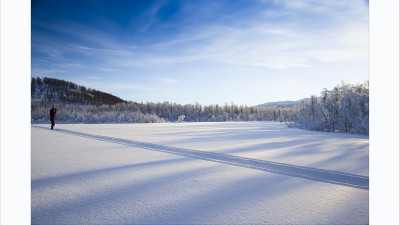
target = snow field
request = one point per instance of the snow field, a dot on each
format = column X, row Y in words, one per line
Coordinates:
column 103, row 179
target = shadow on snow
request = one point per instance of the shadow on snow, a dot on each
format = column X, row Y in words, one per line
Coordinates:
column 320, row 175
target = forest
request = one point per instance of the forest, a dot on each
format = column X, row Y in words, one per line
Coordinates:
column 343, row 109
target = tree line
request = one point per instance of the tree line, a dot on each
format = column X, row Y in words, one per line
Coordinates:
column 343, row 109
column 149, row 112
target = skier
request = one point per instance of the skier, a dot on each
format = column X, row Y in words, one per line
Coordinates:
column 53, row 112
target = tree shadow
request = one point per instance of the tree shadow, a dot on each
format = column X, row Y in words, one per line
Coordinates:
column 38, row 184
column 320, row 175
column 74, row 207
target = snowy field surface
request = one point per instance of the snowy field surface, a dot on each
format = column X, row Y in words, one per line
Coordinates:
column 197, row 173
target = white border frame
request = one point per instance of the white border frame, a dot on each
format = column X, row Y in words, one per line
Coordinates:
column 15, row 155
column 15, row 112
column 384, row 112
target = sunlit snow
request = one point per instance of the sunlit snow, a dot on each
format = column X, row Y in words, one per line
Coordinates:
column 202, row 173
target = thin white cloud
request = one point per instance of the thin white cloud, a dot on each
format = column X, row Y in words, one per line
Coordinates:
column 166, row 80
column 46, row 72
column 113, row 87
column 109, row 69
column 49, row 48
column 104, row 50
column 83, row 32
column 69, row 65
column 94, row 78
column 80, row 47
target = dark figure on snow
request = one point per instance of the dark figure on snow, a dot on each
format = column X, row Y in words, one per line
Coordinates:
column 53, row 112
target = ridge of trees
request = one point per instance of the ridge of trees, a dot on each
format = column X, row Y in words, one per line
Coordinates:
column 55, row 90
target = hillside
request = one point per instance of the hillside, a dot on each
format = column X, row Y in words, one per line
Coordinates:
column 281, row 104
column 55, row 91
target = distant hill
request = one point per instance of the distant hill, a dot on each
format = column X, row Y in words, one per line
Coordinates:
column 281, row 104
column 55, row 91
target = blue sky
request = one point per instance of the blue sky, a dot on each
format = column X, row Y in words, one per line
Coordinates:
column 248, row 52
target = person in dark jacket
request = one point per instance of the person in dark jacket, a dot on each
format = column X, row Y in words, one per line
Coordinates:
column 53, row 112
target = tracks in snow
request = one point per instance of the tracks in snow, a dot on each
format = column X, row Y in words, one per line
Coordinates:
column 327, row 176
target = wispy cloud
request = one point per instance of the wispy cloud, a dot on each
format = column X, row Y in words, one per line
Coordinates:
column 109, row 69
column 276, row 45
column 94, row 78
column 69, row 65
column 113, row 87
column 80, row 47
column 40, row 72
column 262, row 43
column 166, row 80
column 111, row 50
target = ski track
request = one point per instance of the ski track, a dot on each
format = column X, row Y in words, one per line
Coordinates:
column 320, row 175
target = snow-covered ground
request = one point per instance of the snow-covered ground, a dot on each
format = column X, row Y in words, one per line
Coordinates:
column 202, row 173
